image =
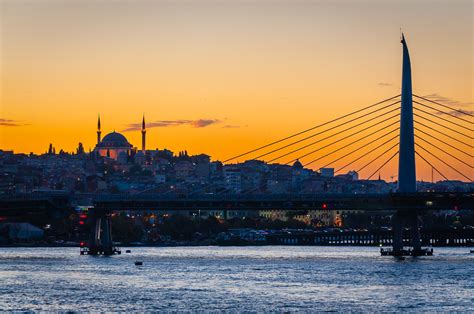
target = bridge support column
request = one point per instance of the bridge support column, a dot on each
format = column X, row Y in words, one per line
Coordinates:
column 401, row 219
column 100, row 242
column 397, row 227
column 415, row 234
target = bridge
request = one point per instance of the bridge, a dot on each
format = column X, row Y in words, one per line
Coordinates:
column 389, row 123
column 412, row 127
column 256, row 202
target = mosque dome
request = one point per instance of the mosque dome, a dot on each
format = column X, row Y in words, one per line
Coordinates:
column 114, row 139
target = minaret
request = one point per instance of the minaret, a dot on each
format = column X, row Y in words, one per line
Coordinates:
column 98, row 130
column 406, row 160
column 143, row 135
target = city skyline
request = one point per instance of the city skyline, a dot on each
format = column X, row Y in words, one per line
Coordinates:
column 223, row 81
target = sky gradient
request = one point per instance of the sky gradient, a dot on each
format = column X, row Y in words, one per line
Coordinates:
column 218, row 77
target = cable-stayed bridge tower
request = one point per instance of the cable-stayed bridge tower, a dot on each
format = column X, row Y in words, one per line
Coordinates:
column 406, row 159
column 406, row 162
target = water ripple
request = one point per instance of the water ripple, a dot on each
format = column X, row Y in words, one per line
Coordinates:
column 252, row 279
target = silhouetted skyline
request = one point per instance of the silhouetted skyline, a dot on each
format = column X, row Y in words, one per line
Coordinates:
column 215, row 77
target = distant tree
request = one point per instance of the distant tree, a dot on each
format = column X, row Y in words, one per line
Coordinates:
column 125, row 229
column 114, row 189
column 212, row 225
column 357, row 220
column 62, row 152
column 50, row 149
column 80, row 149
column 178, row 227
column 183, row 155
column 279, row 224
column 467, row 218
column 163, row 155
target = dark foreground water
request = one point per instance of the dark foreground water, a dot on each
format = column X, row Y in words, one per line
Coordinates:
column 270, row 278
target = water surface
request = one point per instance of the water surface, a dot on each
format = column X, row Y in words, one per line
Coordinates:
column 271, row 278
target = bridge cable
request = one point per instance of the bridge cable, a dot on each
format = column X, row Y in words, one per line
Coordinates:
column 442, row 161
column 365, row 145
column 347, row 145
column 437, row 116
column 382, row 165
column 446, row 143
column 366, row 154
column 210, row 186
column 432, row 166
column 453, row 138
column 337, row 141
column 319, row 133
column 443, row 112
column 386, row 151
column 338, row 149
column 381, row 115
column 310, row 129
column 447, row 153
column 255, row 189
column 439, row 104
column 334, row 142
column 446, row 127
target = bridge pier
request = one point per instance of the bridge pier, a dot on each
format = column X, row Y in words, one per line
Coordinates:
column 100, row 242
column 401, row 219
column 397, row 226
column 415, row 233
column 406, row 169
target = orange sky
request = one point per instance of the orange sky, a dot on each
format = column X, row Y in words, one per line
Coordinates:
column 260, row 69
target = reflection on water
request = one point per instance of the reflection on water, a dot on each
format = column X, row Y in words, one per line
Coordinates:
column 236, row 278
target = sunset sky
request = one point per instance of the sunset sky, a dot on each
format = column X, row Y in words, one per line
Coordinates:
column 219, row 77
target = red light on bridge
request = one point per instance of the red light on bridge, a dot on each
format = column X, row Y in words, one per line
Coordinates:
column 83, row 216
column 82, row 244
column 81, row 222
column 325, row 205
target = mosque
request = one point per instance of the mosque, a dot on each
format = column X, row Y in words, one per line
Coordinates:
column 115, row 145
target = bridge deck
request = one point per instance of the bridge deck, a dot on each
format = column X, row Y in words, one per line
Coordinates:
column 418, row 201
column 393, row 201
